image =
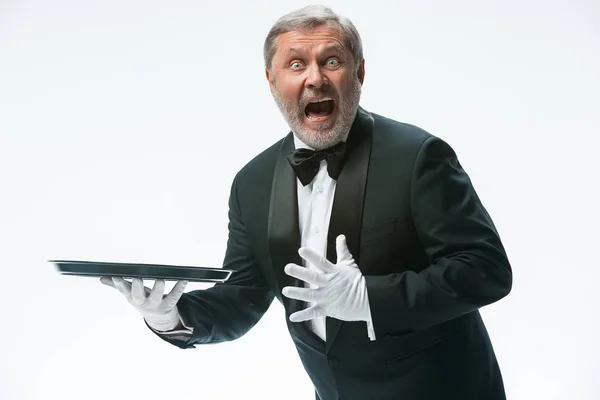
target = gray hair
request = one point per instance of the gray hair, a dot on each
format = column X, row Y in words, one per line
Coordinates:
column 308, row 18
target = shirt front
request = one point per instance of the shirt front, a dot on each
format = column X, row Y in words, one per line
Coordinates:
column 315, row 202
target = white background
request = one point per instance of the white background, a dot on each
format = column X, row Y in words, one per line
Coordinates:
column 122, row 124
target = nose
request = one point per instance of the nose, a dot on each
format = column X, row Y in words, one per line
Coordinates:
column 315, row 78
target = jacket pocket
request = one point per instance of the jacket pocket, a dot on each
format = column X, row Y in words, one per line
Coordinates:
column 401, row 355
column 453, row 333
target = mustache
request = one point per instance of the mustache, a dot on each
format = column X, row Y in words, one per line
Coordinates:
column 327, row 91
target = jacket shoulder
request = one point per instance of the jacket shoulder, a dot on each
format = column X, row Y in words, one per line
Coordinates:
column 258, row 172
column 400, row 133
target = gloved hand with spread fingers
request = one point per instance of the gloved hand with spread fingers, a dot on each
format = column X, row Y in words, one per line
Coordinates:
column 159, row 311
column 341, row 290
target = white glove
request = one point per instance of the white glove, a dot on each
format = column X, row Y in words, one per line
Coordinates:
column 159, row 311
column 341, row 291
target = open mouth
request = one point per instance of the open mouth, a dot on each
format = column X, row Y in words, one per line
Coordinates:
column 319, row 109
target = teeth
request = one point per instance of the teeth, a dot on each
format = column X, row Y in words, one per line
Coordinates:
column 321, row 100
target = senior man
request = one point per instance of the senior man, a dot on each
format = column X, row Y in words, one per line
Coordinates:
column 367, row 230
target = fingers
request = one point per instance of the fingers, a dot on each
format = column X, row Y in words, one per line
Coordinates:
column 175, row 294
column 307, row 275
column 309, row 313
column 138, row 293
column 316, row 259
column 106, row 280
column 304, row 294
column 156, row 294
column 122, row 286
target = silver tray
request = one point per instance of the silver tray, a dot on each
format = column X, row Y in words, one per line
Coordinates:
column 146, row 271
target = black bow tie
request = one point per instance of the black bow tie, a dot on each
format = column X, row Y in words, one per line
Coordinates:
column 306, row 162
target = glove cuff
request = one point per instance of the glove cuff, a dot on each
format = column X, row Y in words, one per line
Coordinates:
column 163, row 322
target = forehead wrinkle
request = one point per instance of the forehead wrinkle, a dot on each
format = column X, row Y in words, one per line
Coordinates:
column 323, row 36
column 330, row 47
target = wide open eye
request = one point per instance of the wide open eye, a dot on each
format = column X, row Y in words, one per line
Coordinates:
column 296, row 65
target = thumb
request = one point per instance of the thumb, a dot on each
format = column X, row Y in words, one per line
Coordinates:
column 343, row 254
column 175, row 294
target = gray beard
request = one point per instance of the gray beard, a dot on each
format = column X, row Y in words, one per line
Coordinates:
column 327, row 134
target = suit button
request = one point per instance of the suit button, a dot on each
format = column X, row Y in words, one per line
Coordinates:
column 333, row 362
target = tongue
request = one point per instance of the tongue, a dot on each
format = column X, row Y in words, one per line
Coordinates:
column 320, row 109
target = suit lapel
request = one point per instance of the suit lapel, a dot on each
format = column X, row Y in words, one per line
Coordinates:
column 346, row 214
column 284, row 231
column 284, row 234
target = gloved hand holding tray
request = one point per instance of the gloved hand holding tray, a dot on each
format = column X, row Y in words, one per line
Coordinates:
column 145, row 271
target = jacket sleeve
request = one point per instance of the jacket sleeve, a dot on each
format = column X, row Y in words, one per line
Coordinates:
column 227, row 310
column 468, row 267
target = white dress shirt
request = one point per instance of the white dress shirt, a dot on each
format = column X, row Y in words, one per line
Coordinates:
column 315, row 202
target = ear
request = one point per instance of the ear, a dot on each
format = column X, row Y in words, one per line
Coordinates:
column 270, row 79
column 361, row 71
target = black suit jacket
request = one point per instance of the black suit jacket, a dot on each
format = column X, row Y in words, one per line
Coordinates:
column 427, row 247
